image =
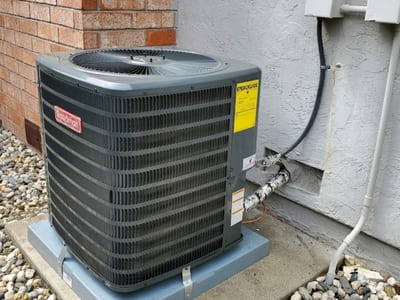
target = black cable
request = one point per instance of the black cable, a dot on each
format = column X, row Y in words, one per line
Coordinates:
column 323, row 69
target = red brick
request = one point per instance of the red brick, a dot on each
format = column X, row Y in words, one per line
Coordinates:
column 11, row 91
column 122, row 38
column 27, row 71
column 89, row 4
column 48, row 31
column 70, row 3
column 40, row 12
column 168, row 19
column 107, row 20
column 12, row 102
column 122, row 4
column 29, row 57
column 11, row 22
column 9, row 35
column 91, row 40
column 11, row 64
column 70, row 37
column 23, row 40
column 148, row 20
column 32, row 103
column 31, row 88
column 19, row 132
column 33, row 117
column 52, row 2
column 4, row 73
column 13, row 51
column 21, row 9
column 78, row 4
column 28, row 26
column 15, row 117
column 62, row 16
column 40, row 46
column 78, row 23
column 160, row 37
column 59, row 48
column 17, row 80
column 2, row 99
column 159, row 4
column 6, row 6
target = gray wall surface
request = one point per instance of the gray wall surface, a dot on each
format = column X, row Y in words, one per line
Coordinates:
column 276, row 36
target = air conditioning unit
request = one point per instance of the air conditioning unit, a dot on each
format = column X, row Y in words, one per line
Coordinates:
column 146, row 153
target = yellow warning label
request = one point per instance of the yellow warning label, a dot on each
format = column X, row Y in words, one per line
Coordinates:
column 246, row 105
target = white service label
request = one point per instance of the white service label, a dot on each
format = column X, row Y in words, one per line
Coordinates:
column 67, row 279
column 237, row 206
column 249, row 162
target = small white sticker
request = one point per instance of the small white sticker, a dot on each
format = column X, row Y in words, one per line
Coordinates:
column 67, row 279
column 237, row 206
column 249, row 162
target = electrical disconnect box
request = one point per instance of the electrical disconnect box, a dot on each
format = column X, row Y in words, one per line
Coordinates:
column 324, row 8
column 385, row 11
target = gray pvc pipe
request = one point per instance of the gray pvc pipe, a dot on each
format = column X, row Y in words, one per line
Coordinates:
column 376, row 159
column 353, row 9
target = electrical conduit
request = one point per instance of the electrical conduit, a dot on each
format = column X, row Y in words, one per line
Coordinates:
column 376, row 159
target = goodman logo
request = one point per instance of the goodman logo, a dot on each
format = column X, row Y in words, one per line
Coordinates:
column 68, row 119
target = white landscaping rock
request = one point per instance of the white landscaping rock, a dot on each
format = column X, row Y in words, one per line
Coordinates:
column 356, row 285
column 311, row 286
column 13, row 254
column 341, row 292
column 324, row 296
column 22, row 181
column 337, row 283
column 391, row 281
column 317, row 296
column 9, row 295
column 368, row 274
column 379, row 287
column 296, row 296
column 29, row 273
column 381, row 294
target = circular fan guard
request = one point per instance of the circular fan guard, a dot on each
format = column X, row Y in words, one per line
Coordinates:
column 160, row 62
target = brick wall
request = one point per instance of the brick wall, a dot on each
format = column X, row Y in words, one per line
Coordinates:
column 31, row 27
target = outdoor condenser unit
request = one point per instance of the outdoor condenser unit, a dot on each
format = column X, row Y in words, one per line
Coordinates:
column 146, row 152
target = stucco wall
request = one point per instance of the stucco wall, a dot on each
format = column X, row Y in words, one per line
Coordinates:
column 277, row 37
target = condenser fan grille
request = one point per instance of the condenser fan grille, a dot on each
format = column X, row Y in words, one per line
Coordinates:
column 146, row 62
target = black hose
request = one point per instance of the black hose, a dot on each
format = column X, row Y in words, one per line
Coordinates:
column 323, row 69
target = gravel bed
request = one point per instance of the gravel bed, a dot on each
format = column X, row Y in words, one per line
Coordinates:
column 23, row 194
column 352, row 282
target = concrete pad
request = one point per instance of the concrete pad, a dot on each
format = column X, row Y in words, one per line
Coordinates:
column 294, row 259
